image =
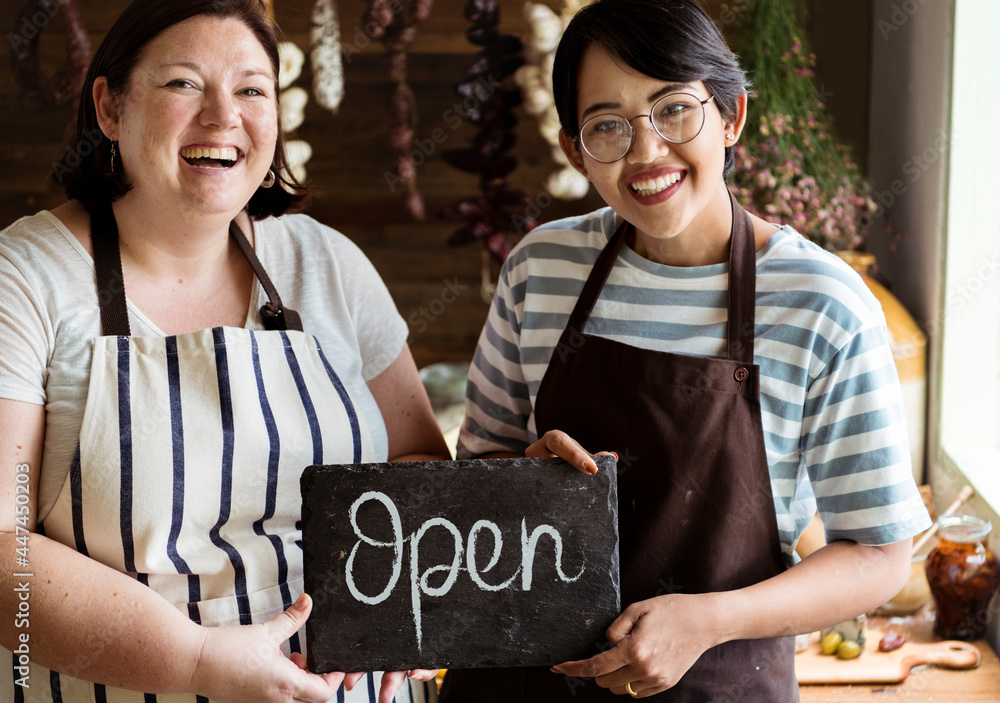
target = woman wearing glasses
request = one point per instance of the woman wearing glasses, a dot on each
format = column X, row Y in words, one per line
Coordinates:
column 741, row 374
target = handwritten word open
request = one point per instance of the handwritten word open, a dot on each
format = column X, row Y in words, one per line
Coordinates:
column 419, row 583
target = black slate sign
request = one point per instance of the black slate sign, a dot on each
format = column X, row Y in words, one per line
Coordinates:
column 458, row 564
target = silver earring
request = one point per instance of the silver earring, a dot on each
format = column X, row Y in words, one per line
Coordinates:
column 112, row 157
column 269, row 179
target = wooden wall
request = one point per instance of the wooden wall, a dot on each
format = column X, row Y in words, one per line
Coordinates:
column 435, row 286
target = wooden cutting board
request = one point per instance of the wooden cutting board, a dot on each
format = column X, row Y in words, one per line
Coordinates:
column 873, row 666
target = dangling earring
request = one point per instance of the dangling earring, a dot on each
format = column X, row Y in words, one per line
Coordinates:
column 112, row 157
column 269, row 179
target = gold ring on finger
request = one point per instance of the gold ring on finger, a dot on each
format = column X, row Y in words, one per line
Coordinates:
column 628, row 689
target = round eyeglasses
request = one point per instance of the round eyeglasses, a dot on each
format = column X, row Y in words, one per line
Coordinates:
column 676, row 117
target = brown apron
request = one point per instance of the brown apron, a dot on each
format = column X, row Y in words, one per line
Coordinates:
column 696, row 512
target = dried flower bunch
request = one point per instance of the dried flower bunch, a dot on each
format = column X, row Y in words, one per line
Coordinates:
column 64, row 86
column 395, row 25
column 790, row 167
column 489, row 105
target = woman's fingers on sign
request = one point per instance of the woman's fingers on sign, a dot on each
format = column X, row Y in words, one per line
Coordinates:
column 558, row 443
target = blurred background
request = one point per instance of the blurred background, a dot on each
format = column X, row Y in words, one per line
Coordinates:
column 436, row 286
column 906, row 85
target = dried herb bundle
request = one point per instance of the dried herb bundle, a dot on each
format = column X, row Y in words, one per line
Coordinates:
column 489, row 105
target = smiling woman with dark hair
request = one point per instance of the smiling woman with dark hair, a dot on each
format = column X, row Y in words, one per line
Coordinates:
column 90, row 178
column 674, row 42
column 742, row 374
column 177, row 349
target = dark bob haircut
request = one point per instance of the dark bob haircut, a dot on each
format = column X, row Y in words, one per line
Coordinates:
column 670, row 40
column 85, row 172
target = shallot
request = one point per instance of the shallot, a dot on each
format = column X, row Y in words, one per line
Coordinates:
column 489, row 105
column 66, row 84
column 390, row 22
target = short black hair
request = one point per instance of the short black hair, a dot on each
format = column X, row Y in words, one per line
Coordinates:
column 670, row 40
column 86, row 173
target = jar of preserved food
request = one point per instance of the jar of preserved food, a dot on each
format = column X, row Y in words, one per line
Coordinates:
column 962, row 573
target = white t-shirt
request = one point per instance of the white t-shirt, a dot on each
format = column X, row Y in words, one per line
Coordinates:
column 49, row 316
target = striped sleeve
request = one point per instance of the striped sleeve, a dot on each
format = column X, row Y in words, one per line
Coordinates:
column 831, row 407
column 855, row 445
column 497, row 404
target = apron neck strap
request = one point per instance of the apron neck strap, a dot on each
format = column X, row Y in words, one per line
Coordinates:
column 108, row 269
column 742, row 283
column 273, row 314
column 742, row 286
column 595, row 281
column 111, row 282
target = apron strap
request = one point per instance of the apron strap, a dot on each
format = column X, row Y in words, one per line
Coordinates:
column 108, row 269
column 595, row 281
column 272, row 313
column 111, row 283
column 742, row 285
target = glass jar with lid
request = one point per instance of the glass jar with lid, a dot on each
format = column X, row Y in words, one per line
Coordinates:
column 962, row 574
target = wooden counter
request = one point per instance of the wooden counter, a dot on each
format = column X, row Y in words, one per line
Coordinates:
column 928, row 684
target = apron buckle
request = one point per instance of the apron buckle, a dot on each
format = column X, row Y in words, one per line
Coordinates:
column 272, row 316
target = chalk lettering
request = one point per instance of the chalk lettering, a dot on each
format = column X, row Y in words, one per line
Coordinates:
column 420, row 585
column 397, row 544
column 470, row 556
column 528, row 545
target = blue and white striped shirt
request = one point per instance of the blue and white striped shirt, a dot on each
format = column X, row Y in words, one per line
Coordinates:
column 833, row 420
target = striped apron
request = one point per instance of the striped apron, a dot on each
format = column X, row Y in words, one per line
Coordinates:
column 186, row 477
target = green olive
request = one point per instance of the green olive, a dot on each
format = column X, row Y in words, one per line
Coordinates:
column 831, row 642
column 848, row 649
